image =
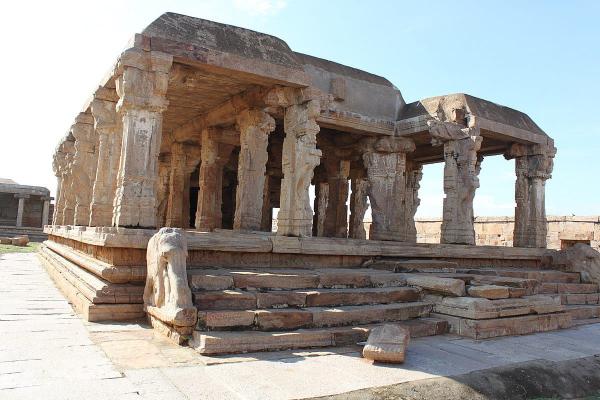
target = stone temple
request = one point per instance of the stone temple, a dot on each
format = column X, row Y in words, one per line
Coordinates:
column 24, row 209
column 210, row 131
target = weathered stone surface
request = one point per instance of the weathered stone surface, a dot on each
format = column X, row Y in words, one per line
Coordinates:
column 281, row 299
column 358, row 206
column 257, row 280
column 225, row 300
column 578, row 258
column 454, row 287
column 340, row 297
column 210, row 280
column 225, row 319
column 489, row 292
column 387, row 344
column 282, row 319
column 413, row 265
column 167, row 295
column 19, row 241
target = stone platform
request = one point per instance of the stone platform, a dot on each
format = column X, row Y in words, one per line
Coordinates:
column 258, row 291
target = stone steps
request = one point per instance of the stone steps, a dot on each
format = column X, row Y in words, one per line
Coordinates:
column 508, row 326
column 583, row 312
column 569, row 288
column 540, row 275
column 212, row 343
column 310, row 317
column 235, row 299
column 480, row 308
column 291, row 279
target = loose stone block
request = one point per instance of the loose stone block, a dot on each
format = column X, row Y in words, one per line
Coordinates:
column 489, row 292
column 387, row 344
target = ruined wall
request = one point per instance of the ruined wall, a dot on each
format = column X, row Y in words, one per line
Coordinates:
column 498, row 231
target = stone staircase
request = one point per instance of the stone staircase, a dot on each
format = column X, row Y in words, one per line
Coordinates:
column 273, row 309
column 240, row 311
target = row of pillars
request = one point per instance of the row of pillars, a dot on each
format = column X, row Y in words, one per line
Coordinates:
column 21, row 208
column 110, row 175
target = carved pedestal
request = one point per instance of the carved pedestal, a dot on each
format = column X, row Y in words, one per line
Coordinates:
column 385, row 161
column 142, row 86
column 255, row 127
column 299, row 158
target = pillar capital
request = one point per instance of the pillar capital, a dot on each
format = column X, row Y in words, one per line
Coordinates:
column 21, row 196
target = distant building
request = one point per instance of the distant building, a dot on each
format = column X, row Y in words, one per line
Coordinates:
column 23, row 209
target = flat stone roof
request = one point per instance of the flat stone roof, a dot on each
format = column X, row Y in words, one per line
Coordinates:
column 22, row 189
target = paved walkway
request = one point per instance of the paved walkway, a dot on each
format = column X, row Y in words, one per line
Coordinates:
column 47, row 352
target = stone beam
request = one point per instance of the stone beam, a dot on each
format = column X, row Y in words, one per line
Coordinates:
column 255, row 127
column 142, row 80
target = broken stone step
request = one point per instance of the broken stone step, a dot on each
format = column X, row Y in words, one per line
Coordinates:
column 213, row 343
column 310, row 317
column 449, row 286
column 244, row 300
column 525, row 283
column 491, row 292
column 290, row 279
column 583, row 298
column 519, row 325
column 414, row 265
column 568, row 288
column 480, row 308
column 583, row 311
column 540, row 275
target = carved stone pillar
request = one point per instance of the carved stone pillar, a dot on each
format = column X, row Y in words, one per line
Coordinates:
column 255, row 127
column 108, row 130
column 266, row 224
column 176, row 187
column 142, row 85
column 385, row 161
column 299, row 158
column 358, row 206
column 461, row 171
column 84, row 167
column 20, row 208
column 45, row 210
column 214, row 156
column 533, row 166
column 414, row 173
column 61, row 167
column 321, row 200
column 162, row 195
column 336, row 214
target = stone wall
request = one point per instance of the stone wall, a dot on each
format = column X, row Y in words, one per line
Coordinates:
column 498, row 231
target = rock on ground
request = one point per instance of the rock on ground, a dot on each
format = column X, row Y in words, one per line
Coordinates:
column 387, row 343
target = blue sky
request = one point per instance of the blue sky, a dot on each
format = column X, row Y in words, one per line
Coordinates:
column 541, row 57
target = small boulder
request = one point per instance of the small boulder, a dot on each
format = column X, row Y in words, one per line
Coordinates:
column 20, row 240
column 387, row 344
column 5, row 240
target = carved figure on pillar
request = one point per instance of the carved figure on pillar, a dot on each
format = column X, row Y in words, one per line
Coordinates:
column 385, row 161
column 142, row 85
column 299, row 159
column 533, row 166
column 84, row 167
column 461, row 171
column 255, row 127
column 108, row 130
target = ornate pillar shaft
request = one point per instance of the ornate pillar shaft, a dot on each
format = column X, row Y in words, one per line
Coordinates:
column 84, row 167
column 142, row 86
column 358, row 206
column 176, row 187
column 255, row 127
column 164, row 180
column 336, row 214
column 461, row 169
column 414, row 173
column 61, row 166
column 214, row 156
column 299, row 158
column 267, row 210
column 385, row 161
column 108, row 130
column 20, row 208
column 533, row 166
column 321, row 201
